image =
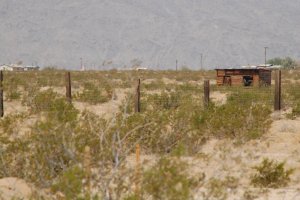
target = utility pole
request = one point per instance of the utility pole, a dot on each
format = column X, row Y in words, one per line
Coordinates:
column 176, row 65
column 266, row 56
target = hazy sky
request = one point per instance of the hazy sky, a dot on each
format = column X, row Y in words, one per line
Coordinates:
column 113, row 33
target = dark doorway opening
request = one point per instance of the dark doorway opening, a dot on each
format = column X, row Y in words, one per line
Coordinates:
column 248, row 80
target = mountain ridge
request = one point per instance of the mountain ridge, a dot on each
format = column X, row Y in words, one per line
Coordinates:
column 227, row 33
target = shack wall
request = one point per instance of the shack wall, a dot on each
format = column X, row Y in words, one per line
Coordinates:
column 265, row 77
column 236, row 76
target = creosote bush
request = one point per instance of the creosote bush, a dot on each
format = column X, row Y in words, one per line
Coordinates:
column 165, row 100
column 217, row 189
column 168, row 180
column 292, row 96
column 271, row 174
column 70, row 183
column 242, row 120
column 95, row 94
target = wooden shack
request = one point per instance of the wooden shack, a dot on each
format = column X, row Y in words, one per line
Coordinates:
column 244, row 76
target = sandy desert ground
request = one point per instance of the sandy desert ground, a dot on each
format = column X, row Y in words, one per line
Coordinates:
column 218, row 158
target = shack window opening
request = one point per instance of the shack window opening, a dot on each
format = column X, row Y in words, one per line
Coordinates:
column 248, row 80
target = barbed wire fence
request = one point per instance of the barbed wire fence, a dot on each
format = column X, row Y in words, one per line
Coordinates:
column 90, row 88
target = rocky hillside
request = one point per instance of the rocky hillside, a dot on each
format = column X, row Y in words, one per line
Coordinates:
column 114, row 33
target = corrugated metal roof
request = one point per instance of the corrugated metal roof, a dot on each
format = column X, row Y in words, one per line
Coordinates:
column 262, row 66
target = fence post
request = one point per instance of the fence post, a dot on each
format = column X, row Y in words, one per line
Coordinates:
column 68, row 87
column 1, row 95
column 277, row 100
column 206, row 93
column 138, row 97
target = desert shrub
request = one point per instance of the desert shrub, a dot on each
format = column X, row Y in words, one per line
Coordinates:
column 49, row 156
column 8, row 123
column 51, row 104
column 239, row 118
column 12, row 161
column 93, row 94
column 291, row 97
column 165, row 100
column 92, row 131
column 296, row 110
column 217, row 188
column 48, row 150
column 128, row 105
column 154, row 85
column 168, row 180
column 180, row 119
column 41, row 101
column 132, row 197
column 13, row 95
column 271, row 174
column 161, row 131
column 12, row 80
column 70, row 183
column 11, row 87
column 248, row 95
column 52, row 78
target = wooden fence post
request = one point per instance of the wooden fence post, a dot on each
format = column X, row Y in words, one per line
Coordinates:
column 1, row 95
column 277, row 100
column 68, row 87
column 206, row 93
column 138, row 97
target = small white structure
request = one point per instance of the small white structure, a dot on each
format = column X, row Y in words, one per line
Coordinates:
column 6, row 68
column 141, row 68
column 31, row 68
column 15, row 67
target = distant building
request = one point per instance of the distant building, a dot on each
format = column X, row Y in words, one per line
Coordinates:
column 6, row 68
column 244, row 76
column 15, row 67
column 31, row 68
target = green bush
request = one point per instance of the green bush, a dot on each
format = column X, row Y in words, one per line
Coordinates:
column 218, row 188
column 41, row 101
column 52, row 105
column 70, row 183
column 165, row 100
column 287, row 62
column 13, row 95
column 93, row 94
column 239, row 118
column 271, row 174
column 168, row 180
column 8, row 123
column 291, row 97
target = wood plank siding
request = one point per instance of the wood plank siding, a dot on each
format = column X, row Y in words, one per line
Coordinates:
column 246, row 77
